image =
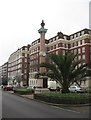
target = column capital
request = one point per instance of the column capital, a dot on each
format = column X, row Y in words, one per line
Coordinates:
column 42, row 29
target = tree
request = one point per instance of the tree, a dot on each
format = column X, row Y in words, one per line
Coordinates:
column 64, row 69
column 4, row 80
column 18, row 79
column 89, row 69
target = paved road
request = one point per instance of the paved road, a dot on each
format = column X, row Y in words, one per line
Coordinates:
column 17, row 107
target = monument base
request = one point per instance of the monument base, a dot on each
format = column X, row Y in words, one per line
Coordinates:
column 42, row 83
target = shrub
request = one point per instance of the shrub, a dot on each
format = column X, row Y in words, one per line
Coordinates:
column 69, row 98
column 23, row 91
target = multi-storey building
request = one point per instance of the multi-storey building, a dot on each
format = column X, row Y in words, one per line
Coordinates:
column 78, row 43
column 18, row 66
column 4, row 73
column 23, row 64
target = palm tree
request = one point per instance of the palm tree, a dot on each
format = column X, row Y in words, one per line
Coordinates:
column 64, row 69
column 89, row 70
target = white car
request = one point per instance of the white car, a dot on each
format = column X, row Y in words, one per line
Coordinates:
column 30, row 87
column 75, row 89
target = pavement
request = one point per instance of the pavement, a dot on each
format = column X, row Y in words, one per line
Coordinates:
column 84, row 108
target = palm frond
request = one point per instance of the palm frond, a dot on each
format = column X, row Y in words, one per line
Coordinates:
column 65, row 69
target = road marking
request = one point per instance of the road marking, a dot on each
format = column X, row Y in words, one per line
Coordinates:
column 65, row 109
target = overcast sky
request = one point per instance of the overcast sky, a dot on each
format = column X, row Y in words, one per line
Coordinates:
column 20, row 21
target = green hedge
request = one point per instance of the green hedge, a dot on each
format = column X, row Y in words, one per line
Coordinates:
column 58, row 98
column 23, row 91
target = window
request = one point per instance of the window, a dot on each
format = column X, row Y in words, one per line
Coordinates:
column 19, row 71
column 30, row 80
column 59, row 44
column 25, row 65
column 56, row 45
column 65, row 37
column 82, row 33
column 79, row 34
column 79, row 57
column 20, row 60
column 25, row 71
column 19, row 66
column 78, row 43
column 51, row 47
column 72, row 51
column 83, row 56
column 83, row 49
column 75, row 43
column 63, row 52
column 66, row 45
column 25, row 60
column 79, row 50
column 56, row 52
column 63, row 45
column 71, row 45
column 25, row 76
column 54, row 39
column 51, row 40
column 83, row 42
column 25, row 49
column 75, row 36
column 37, row 48
column 75, row 51
column 71, row 37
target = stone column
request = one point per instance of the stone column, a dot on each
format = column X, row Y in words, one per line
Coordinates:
column 42, row 53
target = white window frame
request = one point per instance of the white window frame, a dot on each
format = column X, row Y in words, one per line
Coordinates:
column 79, row 42
column 83, row 49
column 79, row 50
column 83, row 41
column 83, row 56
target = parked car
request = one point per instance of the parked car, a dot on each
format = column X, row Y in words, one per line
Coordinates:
column 76, row 89
column 30, row 87
column 8, row 87
column 1, row 86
